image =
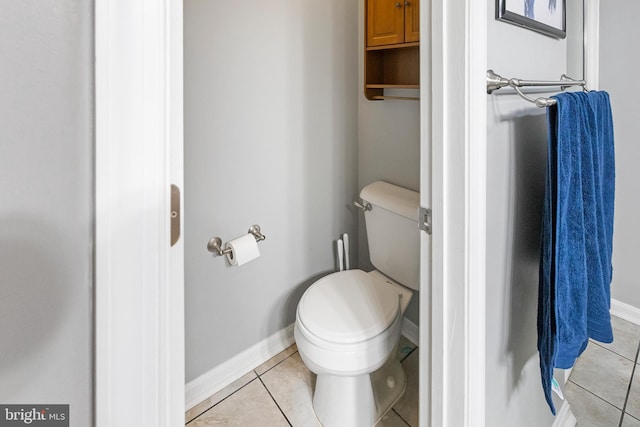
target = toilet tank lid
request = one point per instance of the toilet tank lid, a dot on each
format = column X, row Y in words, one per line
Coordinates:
column 396, row 199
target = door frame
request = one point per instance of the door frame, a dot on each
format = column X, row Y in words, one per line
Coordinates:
column 591, row 43
column 458, row 117
column 139, row 278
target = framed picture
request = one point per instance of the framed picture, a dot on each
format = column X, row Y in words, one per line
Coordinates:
column 544, row 16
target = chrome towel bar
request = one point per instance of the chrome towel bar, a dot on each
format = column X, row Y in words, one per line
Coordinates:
column 495, row 82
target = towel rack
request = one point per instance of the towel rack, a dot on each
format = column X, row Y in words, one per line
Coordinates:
column 495, row 82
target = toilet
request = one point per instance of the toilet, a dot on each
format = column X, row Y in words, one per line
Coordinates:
column 348, row 323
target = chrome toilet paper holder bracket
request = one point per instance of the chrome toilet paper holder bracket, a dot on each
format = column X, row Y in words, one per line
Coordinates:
column 215, row 243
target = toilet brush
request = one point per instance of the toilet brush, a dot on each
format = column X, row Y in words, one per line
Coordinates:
column 345, row 241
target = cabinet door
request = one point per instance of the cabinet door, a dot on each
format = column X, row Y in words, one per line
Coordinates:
column 385, row 22
column 412, row 20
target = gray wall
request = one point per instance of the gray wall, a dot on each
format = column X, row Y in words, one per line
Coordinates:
column 389, row 145
column 516, row 162
column 618, row 65
column 270, row 138
column 46, row 149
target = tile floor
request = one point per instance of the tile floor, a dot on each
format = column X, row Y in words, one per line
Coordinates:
column 603, row 389
column 604, row 386
column 279, row 393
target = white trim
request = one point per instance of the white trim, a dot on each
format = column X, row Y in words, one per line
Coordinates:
column 426, row 242
column 459, row 46
column 433, row 415
column 592, row 43
column 565, row 417
column 174, row 297
column 625, row 311
column 476, row 211
column 222, row 375
column 411, row 331
column 139, row 366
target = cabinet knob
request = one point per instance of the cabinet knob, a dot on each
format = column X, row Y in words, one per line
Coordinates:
column 406, row 3
column 398, row 4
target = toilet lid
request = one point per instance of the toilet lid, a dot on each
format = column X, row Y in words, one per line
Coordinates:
column 348, row 307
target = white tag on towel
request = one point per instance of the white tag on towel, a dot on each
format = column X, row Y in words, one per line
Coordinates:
column 556, row 388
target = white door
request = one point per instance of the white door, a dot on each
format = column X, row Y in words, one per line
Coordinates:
column 139, row 286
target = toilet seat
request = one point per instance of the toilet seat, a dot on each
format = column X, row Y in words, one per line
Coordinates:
column 349, row 307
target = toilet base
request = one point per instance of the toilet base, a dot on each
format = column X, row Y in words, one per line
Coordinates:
column 359, row 401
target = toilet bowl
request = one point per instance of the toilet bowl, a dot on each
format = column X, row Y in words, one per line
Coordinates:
column 348, row 323
column 347, row 328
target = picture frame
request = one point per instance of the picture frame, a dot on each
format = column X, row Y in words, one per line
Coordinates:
column 544, row 16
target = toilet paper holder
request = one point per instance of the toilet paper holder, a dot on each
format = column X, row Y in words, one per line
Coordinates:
column 215, row 243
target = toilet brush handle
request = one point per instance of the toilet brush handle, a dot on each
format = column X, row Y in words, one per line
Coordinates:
column 340, row 253
column 345, row 241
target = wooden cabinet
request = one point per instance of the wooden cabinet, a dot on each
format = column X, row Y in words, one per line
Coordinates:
column 392, row 51
column 392, row 22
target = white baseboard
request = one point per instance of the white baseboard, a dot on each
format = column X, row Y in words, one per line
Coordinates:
column 411, row 331
column 221, row 376
column 565, row 417
column 625, row 311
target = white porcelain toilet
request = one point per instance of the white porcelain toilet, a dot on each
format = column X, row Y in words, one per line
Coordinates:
column 348, row 323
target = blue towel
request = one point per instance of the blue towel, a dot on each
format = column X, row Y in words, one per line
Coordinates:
column 577, row 232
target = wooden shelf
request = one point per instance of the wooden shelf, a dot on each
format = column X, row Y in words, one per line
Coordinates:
column 403, row 98
column 391, row 68
column 390, row 86
column 393, row 46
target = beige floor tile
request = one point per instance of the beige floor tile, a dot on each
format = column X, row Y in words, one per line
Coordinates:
column 407, row 406
column 590, row 410
column 626, row 337
column 604, row 373
column 633, row 403
column 291, row 384
column 276, row 359
column 629, row 421
column 211, row 401
column 392, row 419
column 249, row 406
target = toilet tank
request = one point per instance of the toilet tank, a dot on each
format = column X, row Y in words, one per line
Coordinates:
column 392, row 231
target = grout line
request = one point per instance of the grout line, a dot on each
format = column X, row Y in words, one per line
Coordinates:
column 222, row 400
column 408, row 354
column 286, row 358
column 626, row 399
column 593, row 394
column 599, row 344
column 274, row 401
column 400, row 416
column 240, row 388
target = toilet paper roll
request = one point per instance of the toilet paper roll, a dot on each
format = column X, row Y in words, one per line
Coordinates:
column 243, row 250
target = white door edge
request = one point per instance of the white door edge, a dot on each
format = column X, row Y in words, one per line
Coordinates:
column 592, row 43
column 458, row 164
column 139, row 333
